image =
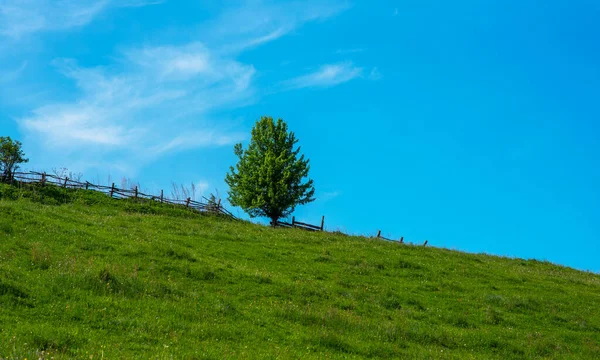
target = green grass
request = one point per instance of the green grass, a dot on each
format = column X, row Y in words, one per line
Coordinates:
column 82, row 276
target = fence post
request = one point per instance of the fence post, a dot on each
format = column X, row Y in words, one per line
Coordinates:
column 425, row 244
column 136, row 192
column 87, row 184
column 161, row 196
column 219, row 206
column 401, row 239
column 65, row 183
column 187, row 203
column 322, row 222
column 378, row 233
column 43, row 178
column 112, row 189
column 293, row 220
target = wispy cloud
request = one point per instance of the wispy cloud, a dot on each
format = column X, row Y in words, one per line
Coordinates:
column 202, row 188
column 23, row 17
column 330, row 195
column 258, row 22
column 152, row 100
column 327, row 75
column 138, row 3
column 273, row 35
column 159, row 94
column 196, row 140
column 20, row 17
column 350, row 51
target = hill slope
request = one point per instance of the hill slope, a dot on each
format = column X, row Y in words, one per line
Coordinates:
column 83, row 275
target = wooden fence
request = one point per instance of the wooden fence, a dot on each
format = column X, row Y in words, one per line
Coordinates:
column 302, row 225
column 114, row 192
column 401, row 241
column 207, row 207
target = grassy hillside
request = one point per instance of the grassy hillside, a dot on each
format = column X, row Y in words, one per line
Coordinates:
column 85, row 276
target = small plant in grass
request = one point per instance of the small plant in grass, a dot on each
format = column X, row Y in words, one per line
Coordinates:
column 66, row 173
column 183, row 192
column 213, row 203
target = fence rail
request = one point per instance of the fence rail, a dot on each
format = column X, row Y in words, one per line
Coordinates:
column 114, row 192
column 401, row 241
column 302, row 225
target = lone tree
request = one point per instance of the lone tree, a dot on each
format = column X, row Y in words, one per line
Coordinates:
column 11, row 156
column 268, row 180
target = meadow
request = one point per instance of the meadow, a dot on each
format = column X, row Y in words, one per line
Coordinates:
column 84, row 276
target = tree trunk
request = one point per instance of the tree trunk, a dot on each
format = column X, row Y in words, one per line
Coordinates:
column 6, row 176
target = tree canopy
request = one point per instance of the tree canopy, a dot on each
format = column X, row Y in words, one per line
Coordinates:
column 268, row 178
column 11, row 156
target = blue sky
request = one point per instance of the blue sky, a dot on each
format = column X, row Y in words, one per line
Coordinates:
column 472, row 124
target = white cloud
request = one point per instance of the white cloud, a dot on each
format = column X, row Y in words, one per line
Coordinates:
column 201, row 187
column 273, row 35
column 327, row 75
column 139, row 3
column 263, row 17
column 330, row 195
column 68, row 126
column 22, row 17
column 350, row 51
column 152, row 100
column 258, row 22
column 157, row 101
column 197, row 139
column 190, row 61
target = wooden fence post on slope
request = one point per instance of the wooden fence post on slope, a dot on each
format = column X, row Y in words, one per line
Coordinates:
column 293, row 221
column 378, row 233
column 136, row 192
column 219, row 206
column 322, row 222
column 425, row 243
column 187, row 203
column 112, row 189
column 161, row 196
column 43, row 178
column 87, row 185
column 65, row 183
column 401, row 239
